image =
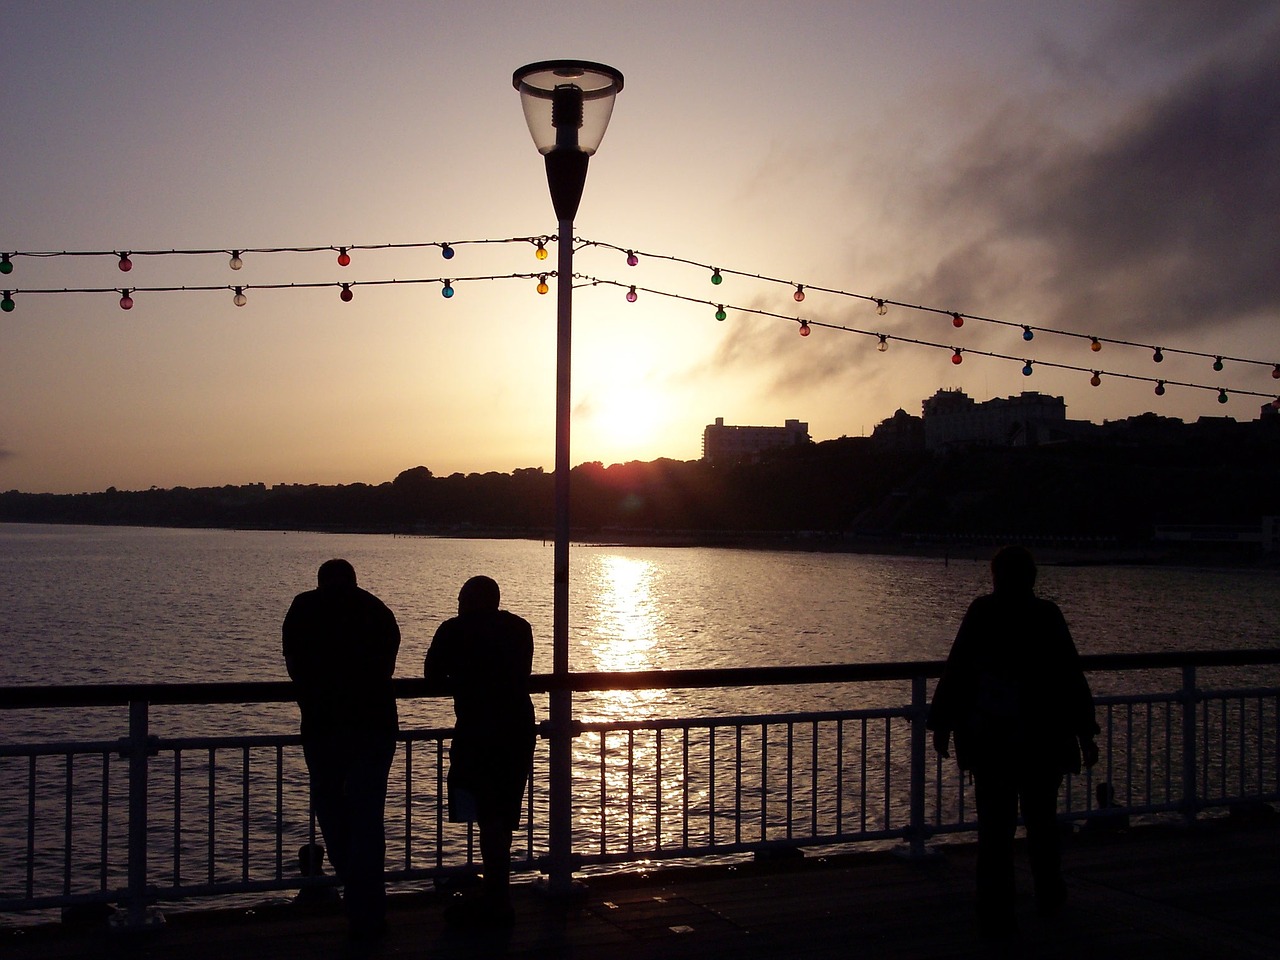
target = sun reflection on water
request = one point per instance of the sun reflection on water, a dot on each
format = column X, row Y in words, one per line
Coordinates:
column 621, row 627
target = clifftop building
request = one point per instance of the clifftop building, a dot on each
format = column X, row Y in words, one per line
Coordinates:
column 729, row 444
column 952, row 418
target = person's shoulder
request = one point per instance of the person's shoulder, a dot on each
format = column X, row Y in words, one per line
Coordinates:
column 371, row 599
column 513, row 621
column 987, row 601
column 305, row 599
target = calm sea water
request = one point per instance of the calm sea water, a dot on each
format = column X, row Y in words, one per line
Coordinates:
column 85, row 605
column 113, row 604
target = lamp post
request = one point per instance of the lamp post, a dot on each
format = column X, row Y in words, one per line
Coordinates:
column 567, row 104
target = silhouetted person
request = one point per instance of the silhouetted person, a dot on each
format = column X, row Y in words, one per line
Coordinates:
column 484, row 656
column 340, row 645
column 1014, row 695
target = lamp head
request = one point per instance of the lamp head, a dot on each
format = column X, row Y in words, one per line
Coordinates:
column 567, row 103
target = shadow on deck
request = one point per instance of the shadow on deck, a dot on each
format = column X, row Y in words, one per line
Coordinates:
column 1209, row 891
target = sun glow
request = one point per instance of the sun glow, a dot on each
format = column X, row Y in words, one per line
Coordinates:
column 625, row 423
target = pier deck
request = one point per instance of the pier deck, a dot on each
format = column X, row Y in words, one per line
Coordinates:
column 1155, row 892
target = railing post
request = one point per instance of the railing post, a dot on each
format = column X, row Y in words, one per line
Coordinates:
column 1190, row 800
column 918, row 831
column 560, row 794
column 138, row 761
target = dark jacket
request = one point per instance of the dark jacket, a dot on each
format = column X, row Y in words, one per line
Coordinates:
column 1013, row 692
column 484, row 659
column 340, row 646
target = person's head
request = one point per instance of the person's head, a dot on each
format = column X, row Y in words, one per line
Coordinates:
column 1013, row 570
column 336, row 573
column 478, row 595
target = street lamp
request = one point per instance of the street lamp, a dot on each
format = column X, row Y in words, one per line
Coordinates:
column 567, row 104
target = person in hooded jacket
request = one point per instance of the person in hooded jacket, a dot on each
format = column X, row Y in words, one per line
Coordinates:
column 1016, row 700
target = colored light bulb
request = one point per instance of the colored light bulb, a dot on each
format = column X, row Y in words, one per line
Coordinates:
column 804, row 328
column 1222, row 396
column 344, row 258
column 125, row 263
column 6, row 265
column 1026, row 369
column 1094, row 345
column 1027, row 334
column 540, row 251
column 956, row 358
column 881, row 307
column 126, row 301
column 631, row 295
column 235, row 263
column 542, row 284
column 883, row 345
column 446, row 251
column 799, row 294
column 720, row 314
column 1158, row 356
column 447, row 291
column 346, row 293
column 957, row 320
column 239, row 299
column 1217, row 363
column 1275, row 372
column 632, row 259
column 1095, row 379
column 715, row 276
column 7, row 303
column 1159, row 388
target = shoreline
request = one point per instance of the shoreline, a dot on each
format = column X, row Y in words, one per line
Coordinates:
column 1048, row 550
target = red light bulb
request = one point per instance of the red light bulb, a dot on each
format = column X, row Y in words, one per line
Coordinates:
column 344, row 259
column 346, row 293
column 957, row 320
column 804, row 328
column 956, row 358
column 125, row 263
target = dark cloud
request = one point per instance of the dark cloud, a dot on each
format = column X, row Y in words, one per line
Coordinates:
column 1184, row 25
column 1167, row 219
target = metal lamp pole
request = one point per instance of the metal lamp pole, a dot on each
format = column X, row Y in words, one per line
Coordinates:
column 567, row 104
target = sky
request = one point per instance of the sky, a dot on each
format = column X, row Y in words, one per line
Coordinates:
column 1099, row 170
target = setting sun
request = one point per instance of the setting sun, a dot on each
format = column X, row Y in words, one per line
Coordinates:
column 621, row 424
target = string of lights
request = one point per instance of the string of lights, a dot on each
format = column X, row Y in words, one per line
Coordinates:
column 958, row 318
column 124, row 258
column 957, row 353
column 539, row 242
column 239, row 291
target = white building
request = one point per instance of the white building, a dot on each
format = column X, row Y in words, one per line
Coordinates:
column 952, row 418
column 729, row 444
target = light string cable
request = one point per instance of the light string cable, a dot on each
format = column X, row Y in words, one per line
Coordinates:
column 239, row 291
column 236, row 254
column 957, row 353
column 957, row 317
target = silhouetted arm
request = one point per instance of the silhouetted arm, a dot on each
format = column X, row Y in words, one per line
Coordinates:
column 436, row 669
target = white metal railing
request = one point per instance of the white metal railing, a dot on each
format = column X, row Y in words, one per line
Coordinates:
column 140, row 820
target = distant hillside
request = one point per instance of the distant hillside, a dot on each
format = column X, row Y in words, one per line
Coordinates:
column 837, row 489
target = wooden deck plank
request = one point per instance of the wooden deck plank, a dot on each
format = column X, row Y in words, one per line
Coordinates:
column 1152, row 893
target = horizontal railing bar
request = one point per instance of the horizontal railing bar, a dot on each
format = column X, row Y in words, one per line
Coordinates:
column 700, row 723
column 78, row 747
column 112, row 694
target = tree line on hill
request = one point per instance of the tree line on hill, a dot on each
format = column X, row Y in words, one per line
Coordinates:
column 836, row 489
